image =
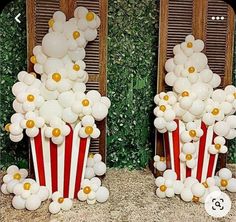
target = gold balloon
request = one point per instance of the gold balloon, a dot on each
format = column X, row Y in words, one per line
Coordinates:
column 192, row 133
column 30, row 98
column 223, row 183
column 76, row 67
column 88, row 130
column 85, row 102
column 17, row 176
column 51, row 23
column 191, row 69
column 60, row 200
column 33, row 59
column 163, row 108
column 188, row 157
column 76, row 34
column 215, row 111
column 56, row 132
column 30, row 123
column 90, row 16
column 87, row 190
column 189, row 44
column 163, row 188
column 185, row 93
column 27, row 186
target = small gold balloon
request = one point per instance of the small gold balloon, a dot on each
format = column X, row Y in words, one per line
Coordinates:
column 56, row 132
column 90, row 16
column 185, row 93
column 27, row 186
column 76, row 34
column 223, row 183
column 163, row 108
column 76, row 67
column 217, row 146
column 162, row 158
column 88, row 130
column 192, row 133
column 30, row 124
column 33, row 59
column 205, row 184
column 91, row 155
column 85, row 102
column 215, row 111
column 30, row 98
column 56, row 77
column 195, row 199
column 87, row 190
column 17, row 176
column 163, row 188
column 191, row 69
column 234, row 94
column 60, row 200
column 188, row 157
column 51, row 23
column 189, row 44
column 7, row 127
column 166, row 97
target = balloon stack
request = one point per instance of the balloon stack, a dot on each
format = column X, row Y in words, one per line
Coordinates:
column 50, row 108
column 196, row 120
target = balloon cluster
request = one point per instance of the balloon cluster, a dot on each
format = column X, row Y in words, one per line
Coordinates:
column 59, row 97
column 27, row 192
column 191, row 190
column 194, row 99
column 91, row 189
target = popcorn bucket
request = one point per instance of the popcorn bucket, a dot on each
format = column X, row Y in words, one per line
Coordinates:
column 60, row 167
column 205, row 162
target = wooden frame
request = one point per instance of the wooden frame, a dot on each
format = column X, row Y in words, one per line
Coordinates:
column 199, row 30
column 37, row 29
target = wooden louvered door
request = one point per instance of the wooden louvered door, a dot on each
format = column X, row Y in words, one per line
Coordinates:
column 38, row 14
column 179, row 18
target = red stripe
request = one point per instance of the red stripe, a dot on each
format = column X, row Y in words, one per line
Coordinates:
column 176, row 147
column 188, row 172
column 167, row 149
column 67, row 162
column 39, row 158
column 80, row 164
column 211, row 161
column 53, row 157
column 201, row 151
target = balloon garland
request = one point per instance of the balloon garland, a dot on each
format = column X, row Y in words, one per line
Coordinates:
column 53, row 101
column 194, row 98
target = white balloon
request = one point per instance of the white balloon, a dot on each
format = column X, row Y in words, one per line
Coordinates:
column 99, row 111
column 169, row 115
column 199, row 60
column 89, row 173
column 201, row 90
column 218, row 95
column 68, row 116
column 170, row 65
column 66, row 99
column 54, row 207
column 50, row 109
column 171, row 126
column 33, row 202
column 18, row 203
column 197, row 107
column 102, row 194
column 48, row 94
column 59, row 16
column 170, row 78
column 231, row 121
column 225, row 173
column 54, row 44
column 198, row 189
column 52, row 65
column 43, row 193
column 18, row 87
column 4, row 189
column 170, row 174
column 186, row 195
column 100, row 168
column 231, row 185
column 67, row 204
column 15, row 138
column 78, row 54
column 221, row 128
column 181, row 84
column 206, row 75
column 178, row 186
column 159, row 123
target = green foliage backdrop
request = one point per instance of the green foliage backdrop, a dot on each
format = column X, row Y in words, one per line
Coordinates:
column 132, row 41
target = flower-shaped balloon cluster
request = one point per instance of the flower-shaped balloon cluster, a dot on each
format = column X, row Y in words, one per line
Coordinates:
column 195, row 99
column 60, row 93
column 159, row 163
column 94, row 166
column 191, row 190
column 59, row 203
column 92, row 191
column 27, row 192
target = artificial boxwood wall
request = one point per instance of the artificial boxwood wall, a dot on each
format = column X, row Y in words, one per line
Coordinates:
column 132, row 41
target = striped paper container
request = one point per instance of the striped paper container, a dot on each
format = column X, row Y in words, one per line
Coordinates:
column 205, row 162
column 60, row 167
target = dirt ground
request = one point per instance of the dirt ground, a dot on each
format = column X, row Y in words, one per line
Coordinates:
column 132, row 198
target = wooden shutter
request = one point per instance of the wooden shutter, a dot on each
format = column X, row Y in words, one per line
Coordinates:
column 179, row 18
column 38, row 14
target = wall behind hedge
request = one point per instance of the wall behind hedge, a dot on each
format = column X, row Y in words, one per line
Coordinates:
column 132, row 40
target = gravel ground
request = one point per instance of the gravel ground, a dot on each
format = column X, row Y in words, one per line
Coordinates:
column 132, row 198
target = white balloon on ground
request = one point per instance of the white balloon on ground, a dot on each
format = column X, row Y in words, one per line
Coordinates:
column 102, row 194
column 54, row 44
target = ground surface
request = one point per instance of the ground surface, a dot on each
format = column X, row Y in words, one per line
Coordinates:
column 132, row 198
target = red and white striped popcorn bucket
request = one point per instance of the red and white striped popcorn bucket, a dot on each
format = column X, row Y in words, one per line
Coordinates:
column 60, row 167
column 205, row 162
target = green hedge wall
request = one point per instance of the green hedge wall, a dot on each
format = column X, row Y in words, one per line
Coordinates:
column 132, row 41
